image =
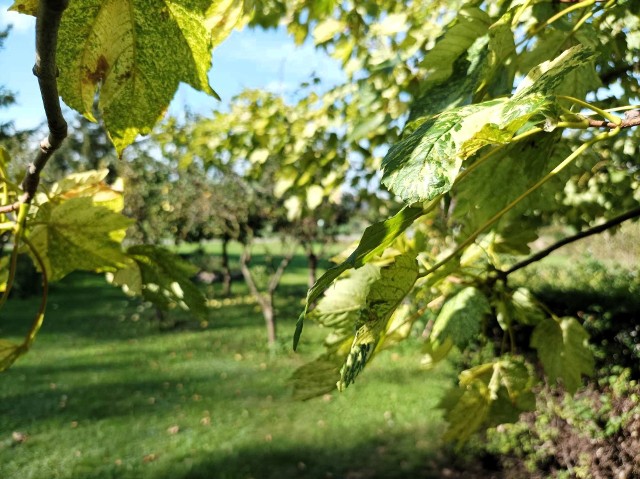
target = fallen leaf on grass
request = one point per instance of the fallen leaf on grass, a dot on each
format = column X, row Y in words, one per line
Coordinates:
column 19, row 437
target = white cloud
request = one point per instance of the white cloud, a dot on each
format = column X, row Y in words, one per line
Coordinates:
column 21, row 23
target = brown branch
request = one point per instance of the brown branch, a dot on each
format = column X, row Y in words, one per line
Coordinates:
column 248, row 276
column 277, row 275
column 627, row 122
column 47, row 26
column 634, row 213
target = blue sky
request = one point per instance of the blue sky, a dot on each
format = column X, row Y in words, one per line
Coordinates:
column 247, row 59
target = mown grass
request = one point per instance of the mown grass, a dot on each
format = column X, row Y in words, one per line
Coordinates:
column 108, row 392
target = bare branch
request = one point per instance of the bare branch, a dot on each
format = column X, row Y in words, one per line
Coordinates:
column 634, row 213
column 248, row 277
column 277, row 275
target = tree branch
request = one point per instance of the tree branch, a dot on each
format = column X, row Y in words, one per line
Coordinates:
column 627, row 122
column 277, row 275
column 47, row 26
column 634, row 213
column 248, row 277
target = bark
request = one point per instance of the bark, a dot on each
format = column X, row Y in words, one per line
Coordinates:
column 226, row 270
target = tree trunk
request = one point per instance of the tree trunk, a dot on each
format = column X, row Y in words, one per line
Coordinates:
column 312, row 265
column 265, row 299
column 226, row 271
column 269, row 313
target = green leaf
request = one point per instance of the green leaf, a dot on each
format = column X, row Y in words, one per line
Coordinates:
column 510, row 172
column 484, row 66
column 425, row 163
column 461, row 317
column 225, row 15
column 327, row 29
column 78, row 235
column 502, row 53
column 340, row 307
column 5, row 158
column 27, row 7
column 162, row 278
column 359, row 311
column 458, row 90
column 469, row 25
column 9, row 352
column 547, row 77
column 374, row 240
column 517, row 306
column 466, row 411
column 563, row 349
column 88, row 184
column 579, row 81
column 136, row 54
column 315, row 195
column 316, row 377
column 385, row 294
column 491, row 393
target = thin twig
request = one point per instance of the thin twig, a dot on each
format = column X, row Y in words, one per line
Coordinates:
column 634, row 213
column 47, row 26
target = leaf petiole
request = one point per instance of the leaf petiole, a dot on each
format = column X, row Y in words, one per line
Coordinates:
column 605, row 114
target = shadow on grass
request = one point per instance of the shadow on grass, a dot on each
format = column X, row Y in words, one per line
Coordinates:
column 384, row 457
column 84, row 305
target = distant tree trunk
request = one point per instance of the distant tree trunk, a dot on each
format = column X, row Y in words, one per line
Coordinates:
column 312, row 265
column 226, row 270
column 265, row 299
column 269, row 314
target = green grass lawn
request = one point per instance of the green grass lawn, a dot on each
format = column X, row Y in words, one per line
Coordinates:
column 107, row 392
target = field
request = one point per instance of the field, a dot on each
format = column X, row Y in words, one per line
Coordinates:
column 109, row 392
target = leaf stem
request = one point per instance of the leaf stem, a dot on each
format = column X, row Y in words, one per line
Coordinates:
column 37, row 323
column 13, row 261
column 623, row 108
column 519, row 13
column 495, row 150
column 557, row 16
column 612, row 118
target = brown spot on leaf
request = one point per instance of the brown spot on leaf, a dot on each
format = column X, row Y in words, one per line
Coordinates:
column 100, row 71
column 125, row 76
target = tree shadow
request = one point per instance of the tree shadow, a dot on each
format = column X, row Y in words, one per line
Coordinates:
column 390, row 457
